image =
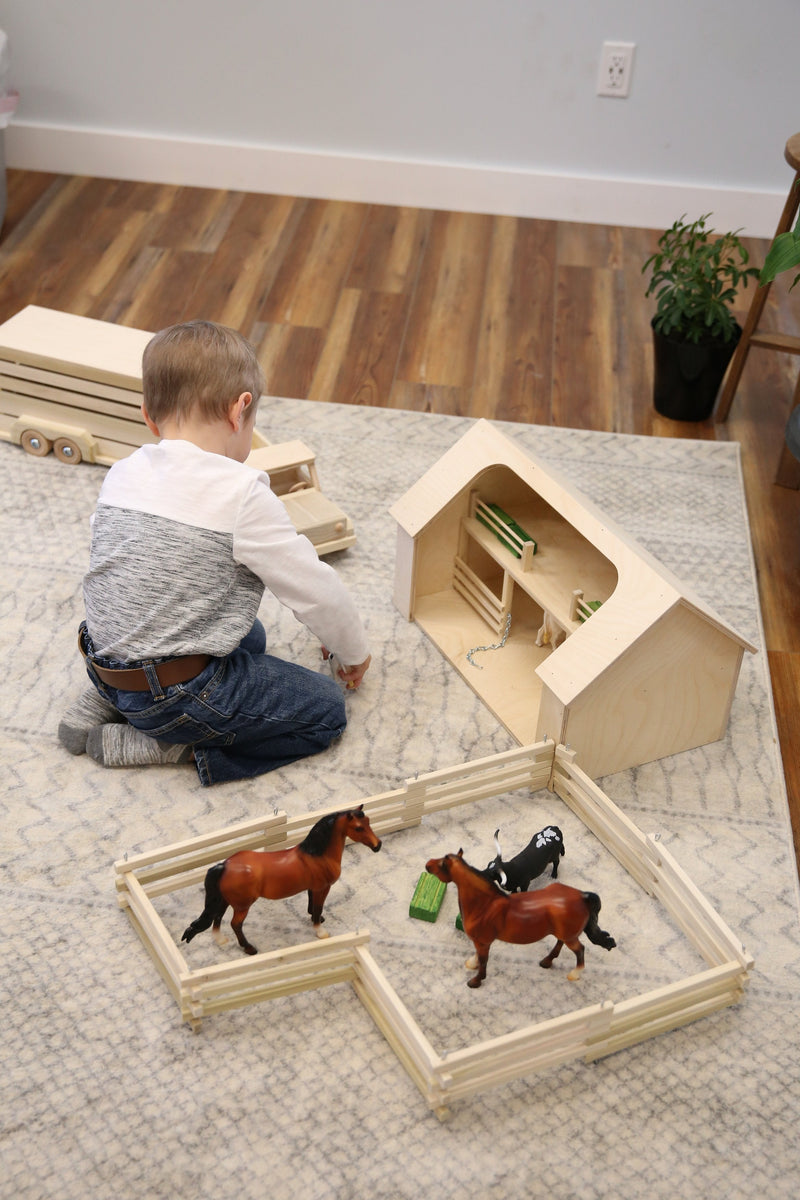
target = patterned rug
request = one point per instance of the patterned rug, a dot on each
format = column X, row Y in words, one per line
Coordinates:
column 105, row 1092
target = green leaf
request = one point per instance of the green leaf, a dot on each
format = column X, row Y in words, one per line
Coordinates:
column 784, row 253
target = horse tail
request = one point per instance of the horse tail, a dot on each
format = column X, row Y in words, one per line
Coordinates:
column 215, row 904
column 591, row 928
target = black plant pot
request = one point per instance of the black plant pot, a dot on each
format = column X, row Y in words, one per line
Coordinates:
column 687, row 376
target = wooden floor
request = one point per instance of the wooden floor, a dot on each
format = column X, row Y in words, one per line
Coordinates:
column 520, row 320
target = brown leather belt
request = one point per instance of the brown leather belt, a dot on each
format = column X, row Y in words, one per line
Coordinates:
column 133, row 679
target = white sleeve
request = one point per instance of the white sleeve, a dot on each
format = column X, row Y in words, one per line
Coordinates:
column 266, row 541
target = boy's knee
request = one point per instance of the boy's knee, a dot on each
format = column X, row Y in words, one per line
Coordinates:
column 335, row 716
column 339, row 712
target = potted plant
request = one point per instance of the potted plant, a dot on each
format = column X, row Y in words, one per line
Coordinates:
column 695, row 277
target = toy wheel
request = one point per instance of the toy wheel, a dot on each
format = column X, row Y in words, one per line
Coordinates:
column 35, row 443
column 67, row 451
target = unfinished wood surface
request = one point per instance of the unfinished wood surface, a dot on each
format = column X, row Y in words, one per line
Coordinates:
column 89, row 247
column 651, row 672
column 77, row 346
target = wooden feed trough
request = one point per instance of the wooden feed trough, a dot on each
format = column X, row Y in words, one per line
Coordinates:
column 588, row 1033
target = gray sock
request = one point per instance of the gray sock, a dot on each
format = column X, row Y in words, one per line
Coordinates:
column 124, row 746
column 87, row 712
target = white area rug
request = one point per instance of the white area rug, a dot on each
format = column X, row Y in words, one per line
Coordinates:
column 105, row 1092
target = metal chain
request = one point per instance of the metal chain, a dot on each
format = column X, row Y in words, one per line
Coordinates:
column 497, row 645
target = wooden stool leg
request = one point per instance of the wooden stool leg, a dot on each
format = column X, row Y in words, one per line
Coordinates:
column 736, row 367
column 788, row 474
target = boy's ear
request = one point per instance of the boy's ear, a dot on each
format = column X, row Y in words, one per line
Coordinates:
column 240, row 410
column 149, row 422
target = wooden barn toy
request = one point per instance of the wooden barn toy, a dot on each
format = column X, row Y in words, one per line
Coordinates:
column 558, row 620
column 73, row 385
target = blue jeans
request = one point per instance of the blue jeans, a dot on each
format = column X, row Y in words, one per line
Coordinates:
column 243, row 715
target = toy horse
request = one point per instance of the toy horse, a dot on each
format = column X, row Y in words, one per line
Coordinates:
column 488, row 915
column 546, row 846
column 314, row 866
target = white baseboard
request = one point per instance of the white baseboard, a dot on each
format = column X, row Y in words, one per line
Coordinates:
column 649, row 204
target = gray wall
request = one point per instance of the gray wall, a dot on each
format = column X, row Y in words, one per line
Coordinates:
column 507, row 84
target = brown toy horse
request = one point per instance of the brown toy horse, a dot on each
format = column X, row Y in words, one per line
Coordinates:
column 488, row 915
column 313, row 866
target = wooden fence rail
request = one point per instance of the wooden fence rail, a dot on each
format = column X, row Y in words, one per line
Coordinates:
column 587, row 1034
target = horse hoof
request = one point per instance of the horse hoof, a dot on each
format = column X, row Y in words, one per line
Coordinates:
column 575, row 973
column 321, row 933
column 249, row 949
column 474, row 982
column 471, row 964
column 544, row 963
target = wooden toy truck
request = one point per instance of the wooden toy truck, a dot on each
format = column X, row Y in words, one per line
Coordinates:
column 602, row 647
column 73, row 386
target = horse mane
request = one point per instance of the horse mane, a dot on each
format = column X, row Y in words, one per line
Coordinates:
column 318, row 838
column 484, row 875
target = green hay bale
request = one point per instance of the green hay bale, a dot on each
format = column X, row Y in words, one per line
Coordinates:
column 593, row 605
column 427, row 898
column 510, row 523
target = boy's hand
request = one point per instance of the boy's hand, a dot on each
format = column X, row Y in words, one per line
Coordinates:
column 350, row 676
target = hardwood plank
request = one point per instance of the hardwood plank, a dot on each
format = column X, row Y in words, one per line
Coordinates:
column 110, row 261
column 429, row 397
column 289, row 355
column 160, row 289
column 323, row 383
column 307, row 286
column 635, row 412
column 26, row 191
column 241, row 272
column 197, row 219
column 440, row 343
column 513, row 365
column 23, row 259
column 591, row 246
column 135, row 196
column 585, row 379
column 369, row 363
column 390, row 249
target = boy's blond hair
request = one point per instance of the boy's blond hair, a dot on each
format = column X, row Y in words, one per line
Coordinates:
column 198, row 367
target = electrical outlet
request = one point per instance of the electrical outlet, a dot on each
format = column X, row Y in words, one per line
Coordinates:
column 616, row 66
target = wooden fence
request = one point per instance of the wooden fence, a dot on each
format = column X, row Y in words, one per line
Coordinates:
column 588, row 1033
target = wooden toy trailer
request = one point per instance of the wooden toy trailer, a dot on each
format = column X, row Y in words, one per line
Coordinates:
column 293, row 476
column 602, row 647
column 73, row 385
column 588, row 1033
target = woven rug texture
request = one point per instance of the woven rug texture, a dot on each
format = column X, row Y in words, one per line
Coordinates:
column 106, row 1093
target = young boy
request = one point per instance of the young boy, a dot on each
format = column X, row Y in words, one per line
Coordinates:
column 185, row 540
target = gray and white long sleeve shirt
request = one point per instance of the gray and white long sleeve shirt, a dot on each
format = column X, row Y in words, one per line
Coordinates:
column 184, row 543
